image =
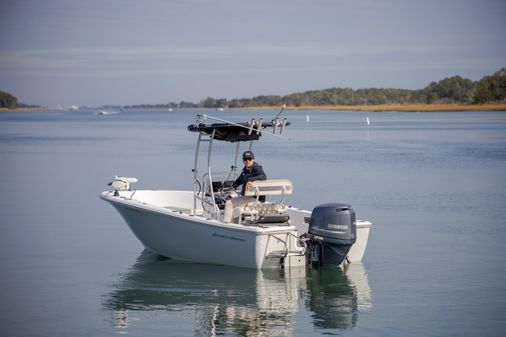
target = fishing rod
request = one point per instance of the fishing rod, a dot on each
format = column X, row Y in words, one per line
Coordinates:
column 279, row 113
column 204, row 117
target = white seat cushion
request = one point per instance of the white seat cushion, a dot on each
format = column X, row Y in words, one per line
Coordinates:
column 270, row 187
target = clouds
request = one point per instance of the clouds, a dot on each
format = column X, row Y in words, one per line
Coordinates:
column 303, row 59
column 124, row 58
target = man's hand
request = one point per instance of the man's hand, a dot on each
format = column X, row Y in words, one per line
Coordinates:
column 249, row 185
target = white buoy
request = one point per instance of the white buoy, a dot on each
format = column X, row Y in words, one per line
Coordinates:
column 368, row 121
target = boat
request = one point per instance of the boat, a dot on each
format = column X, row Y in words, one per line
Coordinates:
column 106, row 112
column 189, row 225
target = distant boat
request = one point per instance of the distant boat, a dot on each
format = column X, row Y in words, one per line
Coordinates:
column 220, row 109
column 307, row 118
column 169, row 109
column 367, row 121
column 105, row 112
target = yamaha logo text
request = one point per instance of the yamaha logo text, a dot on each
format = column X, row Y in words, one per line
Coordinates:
column 337, row 227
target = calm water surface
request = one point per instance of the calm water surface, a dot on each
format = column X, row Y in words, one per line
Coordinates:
column 433, row 184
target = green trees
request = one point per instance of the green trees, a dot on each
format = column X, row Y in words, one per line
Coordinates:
column 270, row 100
column 454, row 89
column 214, row 103
column 491, row 88
column 7, row 100
column 451, row 90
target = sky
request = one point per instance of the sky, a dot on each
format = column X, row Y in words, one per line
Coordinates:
column 123, row 52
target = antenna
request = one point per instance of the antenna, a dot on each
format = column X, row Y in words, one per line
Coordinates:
column 279, row 113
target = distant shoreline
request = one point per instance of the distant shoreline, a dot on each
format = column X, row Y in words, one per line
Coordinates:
column 361, row 108
column 23, row 109
column 396, row 107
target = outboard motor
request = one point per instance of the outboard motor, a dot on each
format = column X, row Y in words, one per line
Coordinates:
column 332, row 232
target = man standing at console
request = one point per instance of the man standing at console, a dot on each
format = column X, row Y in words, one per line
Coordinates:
column 252, row 171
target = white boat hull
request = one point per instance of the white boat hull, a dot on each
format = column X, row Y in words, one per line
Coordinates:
column 171, row 232
column 163, row 223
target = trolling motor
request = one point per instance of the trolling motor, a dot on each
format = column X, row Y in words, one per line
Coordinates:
column 332, row 232
column 121, row 184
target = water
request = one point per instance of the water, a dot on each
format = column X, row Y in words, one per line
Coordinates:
column 433, row 184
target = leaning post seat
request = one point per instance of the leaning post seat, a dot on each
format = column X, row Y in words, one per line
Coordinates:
column 268, row 212
column 269, row 187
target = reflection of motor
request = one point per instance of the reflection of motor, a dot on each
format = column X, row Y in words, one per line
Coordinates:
column 332, row 232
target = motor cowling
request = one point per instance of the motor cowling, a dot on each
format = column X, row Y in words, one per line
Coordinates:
column 332, row 230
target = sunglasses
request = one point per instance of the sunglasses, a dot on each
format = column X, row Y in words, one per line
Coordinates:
column 247, row 159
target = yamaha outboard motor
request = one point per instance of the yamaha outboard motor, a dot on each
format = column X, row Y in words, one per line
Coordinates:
column 332, row 232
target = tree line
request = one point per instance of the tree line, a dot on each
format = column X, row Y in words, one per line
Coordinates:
column 11, row 102
column 7, row 100
column 451, row 90
column 170, row 105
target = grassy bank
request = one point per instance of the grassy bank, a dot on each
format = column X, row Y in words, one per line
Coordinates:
column 22, row 109
column 398, row 107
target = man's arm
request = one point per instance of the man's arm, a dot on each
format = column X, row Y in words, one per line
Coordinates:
column 239, row 180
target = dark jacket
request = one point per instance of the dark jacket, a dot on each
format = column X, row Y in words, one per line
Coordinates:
column 257, row 173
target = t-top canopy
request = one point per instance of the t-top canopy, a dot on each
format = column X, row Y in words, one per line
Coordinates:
column 235, row 132
column 226, row 132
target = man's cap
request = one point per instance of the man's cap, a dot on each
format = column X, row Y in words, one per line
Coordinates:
column 248, row 154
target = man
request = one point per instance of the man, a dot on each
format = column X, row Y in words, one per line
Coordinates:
column 252, row 171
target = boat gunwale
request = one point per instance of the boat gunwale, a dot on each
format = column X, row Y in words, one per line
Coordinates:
column 139, row 205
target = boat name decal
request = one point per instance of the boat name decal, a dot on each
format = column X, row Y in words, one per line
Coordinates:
column 221, row 236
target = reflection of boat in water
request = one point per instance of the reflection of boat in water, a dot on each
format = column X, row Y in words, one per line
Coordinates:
column 226, row 300
column 335, row 297
column 357, row 275
column 191, row 226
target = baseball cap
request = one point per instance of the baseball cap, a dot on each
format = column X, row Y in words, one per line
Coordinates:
column 248, row 154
